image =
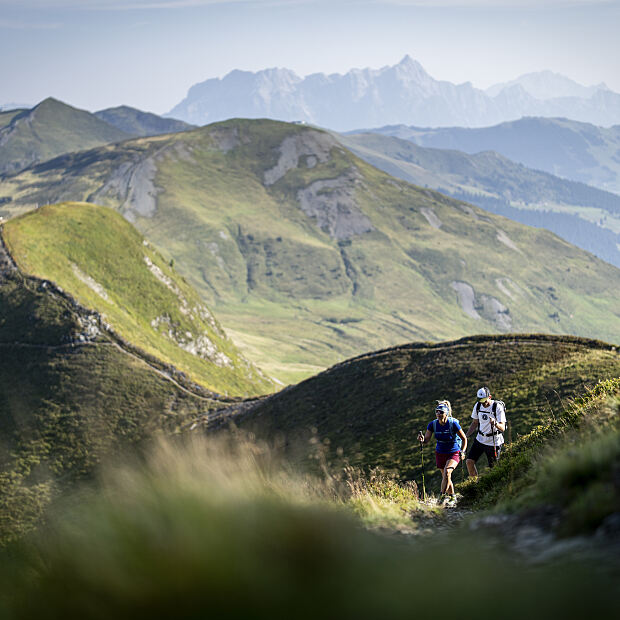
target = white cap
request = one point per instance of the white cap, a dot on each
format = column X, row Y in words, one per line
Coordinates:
column 483, row 392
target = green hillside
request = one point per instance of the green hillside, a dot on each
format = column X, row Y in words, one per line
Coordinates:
column 100, row 259
column 369, row 409
column 585, row 216
column 49, row 129
column 70, row 396
column 195, row 523
column 308, row 255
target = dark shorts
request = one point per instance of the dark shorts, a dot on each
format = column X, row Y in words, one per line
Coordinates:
column 478, row 449
column 442, row 459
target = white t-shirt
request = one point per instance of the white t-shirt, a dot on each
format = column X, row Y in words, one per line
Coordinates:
column 484, row 425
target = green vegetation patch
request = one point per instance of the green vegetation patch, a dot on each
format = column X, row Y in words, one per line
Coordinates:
column 101, row 260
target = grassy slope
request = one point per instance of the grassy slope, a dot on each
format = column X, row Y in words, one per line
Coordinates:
column 138, row 123
column 298, row 300
column 372, row 406
column 49, row 129
column 64, row 406
column 70, row 243
column 568, row 462
column 487, row 177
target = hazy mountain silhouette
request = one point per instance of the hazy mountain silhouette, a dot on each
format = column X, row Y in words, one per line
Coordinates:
column 404, row 93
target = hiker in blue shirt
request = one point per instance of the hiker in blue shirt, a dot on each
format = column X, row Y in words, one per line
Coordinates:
column 449, row 449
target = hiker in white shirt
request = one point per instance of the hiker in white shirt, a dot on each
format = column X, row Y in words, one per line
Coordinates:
column 489, row 422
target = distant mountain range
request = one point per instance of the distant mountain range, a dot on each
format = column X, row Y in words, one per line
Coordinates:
column 583, row 215
column 308, row 255
column 576, row 151
column 402, row 94
column 51, row 128
column 548, row 85
column 47, row 130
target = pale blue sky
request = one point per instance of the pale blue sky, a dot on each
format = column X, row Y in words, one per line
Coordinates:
column 146, row 53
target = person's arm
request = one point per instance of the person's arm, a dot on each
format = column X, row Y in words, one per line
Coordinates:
column 500, row 426
column 472, row 427
column 426, row 438
column 463, row 436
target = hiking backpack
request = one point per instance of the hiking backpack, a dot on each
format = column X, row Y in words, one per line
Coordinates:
column 452, row 431
column 494, row 410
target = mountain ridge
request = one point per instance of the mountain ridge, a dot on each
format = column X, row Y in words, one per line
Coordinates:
column 49, row 129
column 402, row 93
column 367, row 410
column 548, row 85
column 578, row 151
column 138, row 123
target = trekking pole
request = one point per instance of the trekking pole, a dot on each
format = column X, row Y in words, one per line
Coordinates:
column 494, row 444
column 423, row 485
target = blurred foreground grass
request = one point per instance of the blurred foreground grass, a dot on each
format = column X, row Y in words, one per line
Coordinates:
column 224, row 529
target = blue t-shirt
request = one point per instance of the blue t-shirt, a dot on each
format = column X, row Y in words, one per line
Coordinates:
column 446, row 444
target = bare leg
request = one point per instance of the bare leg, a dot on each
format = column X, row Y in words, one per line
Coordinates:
column 447, row 486
column 471, row 468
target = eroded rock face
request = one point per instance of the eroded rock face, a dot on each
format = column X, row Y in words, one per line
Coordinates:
column 332, row 203
column 493, row 310
column 199, row 345
column 198, row 311
column 507, row 241
column 133, row 182
column 90, row 282
column 431, row 217
column 482, row 306
column 314, row 146
column 467, row 298
column 7, row 264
